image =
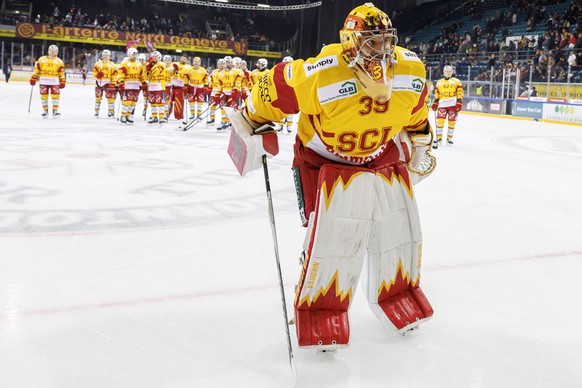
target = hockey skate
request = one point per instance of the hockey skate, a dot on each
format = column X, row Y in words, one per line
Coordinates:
column 110, row 115
column 96, row 115
column 450, row 141
column 44, row 114
column 223, row 126
column 163, row 121
column 123, row 120
column 435, row 144
column 129, row 119
column 56, row 115
column 210, row 122
column 153, row 120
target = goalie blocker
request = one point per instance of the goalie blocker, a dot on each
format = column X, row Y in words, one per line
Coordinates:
column 247, row 144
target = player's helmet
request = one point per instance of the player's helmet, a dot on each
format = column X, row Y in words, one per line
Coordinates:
column 105, row 54
column 141, row 58
column 236, row 61
column 243, row 64
column 196, row 61
column 157, row 55
column 369, row 39
column 132, row 52
column 262, row 63
column 221, row 62
column 167, row 59
column 287, row 59
column 53, row 49
column 448, row 71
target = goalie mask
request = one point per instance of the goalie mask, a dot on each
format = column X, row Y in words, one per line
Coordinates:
column 368, row 40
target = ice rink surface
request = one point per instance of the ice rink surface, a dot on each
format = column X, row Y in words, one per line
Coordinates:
column 136, row 257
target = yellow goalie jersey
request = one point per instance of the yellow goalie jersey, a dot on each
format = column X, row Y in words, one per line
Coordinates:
column 448, row 91
column 49, row 71
column 255, row 75
column 338, row 118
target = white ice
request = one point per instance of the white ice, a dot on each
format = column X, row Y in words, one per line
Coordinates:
column 135, row 256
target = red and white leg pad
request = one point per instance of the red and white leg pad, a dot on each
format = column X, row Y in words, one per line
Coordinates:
column 394, row 253
column 335, row 251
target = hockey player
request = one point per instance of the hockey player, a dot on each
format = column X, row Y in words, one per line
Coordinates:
column 198, row 87
column 246, row 81
column 49, row 71
column 156, row 74
column 287, row 122
column 179, row 86
column 363, row 140
column 259, row 71
column 144, row 90
column 216, row 95
column 230, row 86
column 168, row 76
column 104, row 73
column 448, row 101
column 130, row 80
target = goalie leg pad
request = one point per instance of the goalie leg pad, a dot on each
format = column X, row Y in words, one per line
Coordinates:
column 392, row 271
column 335, row 252
column 178, row 102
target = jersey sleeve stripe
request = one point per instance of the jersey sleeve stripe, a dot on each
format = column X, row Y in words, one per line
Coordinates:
column 286, row 98
column 421, row 100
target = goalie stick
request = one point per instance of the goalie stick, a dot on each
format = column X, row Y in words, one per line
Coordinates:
column 276, row 247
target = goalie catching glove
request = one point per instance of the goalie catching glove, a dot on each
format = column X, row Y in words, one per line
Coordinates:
column 249, row 141
column 422, row 163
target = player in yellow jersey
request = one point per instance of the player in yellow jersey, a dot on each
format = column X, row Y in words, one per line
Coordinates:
column 261, row 70
column 448, row 102
column 144, row 90
column 130, row 80
column 287, row 122
column 49, row 72
column 156, row 76
column 198, row 87
column 363, row 140
column 104, row 73
column 216, row 97
column 230, row 86
column 246, row 81
column 180, row 71
column 168, row 76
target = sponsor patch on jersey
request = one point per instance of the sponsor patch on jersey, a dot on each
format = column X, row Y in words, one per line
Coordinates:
column 337, row 91
column 289, row 73
column 408, row 83
column 410, row 56
column 322, row 63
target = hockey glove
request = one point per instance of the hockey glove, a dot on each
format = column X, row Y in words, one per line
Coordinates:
column 459, row 105
column 144, row 87
column 100, row 74
column 421, row 163
column 207, row 90
column 32, row 81
column 62, row 84
column 249, row 141
column 121, row 86
column 435, row 105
